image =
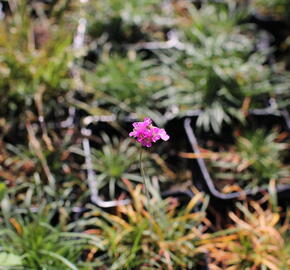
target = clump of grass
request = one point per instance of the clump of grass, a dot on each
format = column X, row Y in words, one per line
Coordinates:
column 35, row 62
column 257, row 158
column 257, row 240
column 209, row 19
column 116, row 21
column 119, row 159
column 42, row 170
column 167, row 236
column 33, row 243
column 215, row 78
column 124, row 85
column 216, row 67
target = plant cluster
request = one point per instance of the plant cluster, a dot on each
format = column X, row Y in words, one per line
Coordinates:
column 150, row 234
column 124, row 86
column 208, row 62
column 66, row 67
column 35, row 62
column 118, row 160
column 254, row 160
column 256, row 240
column 32, row 243
column 119, row 22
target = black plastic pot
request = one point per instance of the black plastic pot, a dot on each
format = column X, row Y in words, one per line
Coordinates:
column 204, row 182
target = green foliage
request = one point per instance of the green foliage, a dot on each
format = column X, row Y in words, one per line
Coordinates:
column 218, row 68
column 264, row 154
column 160, row 235
column 125, row 85
column 121, row 21
column 256, row 159
column 216, row 73
column 216, row 77
column 119, row 159
column 275, row 8
column 209, row 20
column 35, row 60
column 140, row 58
column 39, row 173
column 282, row 93
column 131, row 11
column 9, row 259
column 2, row 190
column 34, row 244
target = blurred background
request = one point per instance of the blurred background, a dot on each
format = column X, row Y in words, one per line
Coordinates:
column 75, row 74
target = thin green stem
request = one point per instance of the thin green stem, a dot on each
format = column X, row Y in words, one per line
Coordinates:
column 146, row 184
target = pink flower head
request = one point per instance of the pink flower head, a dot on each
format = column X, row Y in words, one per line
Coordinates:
column 146, row 134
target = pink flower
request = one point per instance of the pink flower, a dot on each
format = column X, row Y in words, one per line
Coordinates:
column 146, row 134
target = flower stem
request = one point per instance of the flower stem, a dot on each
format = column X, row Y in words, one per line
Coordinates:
column 146, row 184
